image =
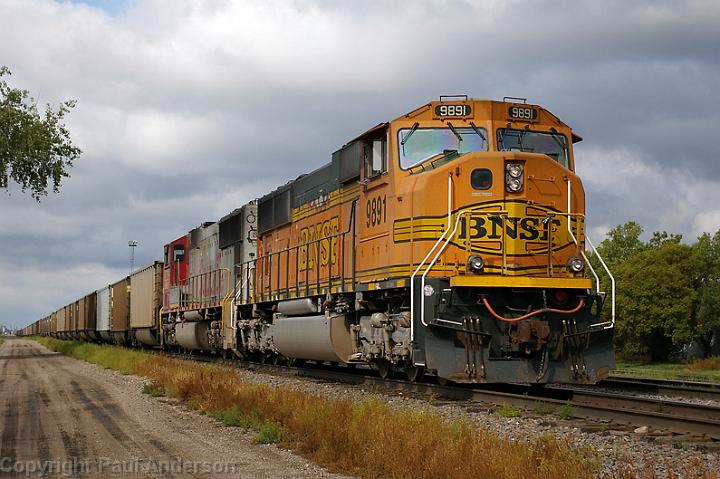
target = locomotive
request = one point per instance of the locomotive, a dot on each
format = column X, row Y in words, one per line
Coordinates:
column 449, row 241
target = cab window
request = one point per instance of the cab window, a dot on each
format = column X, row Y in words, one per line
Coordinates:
column 417, row 145
column 375, row 157
column 178, row 253
column 553, row 145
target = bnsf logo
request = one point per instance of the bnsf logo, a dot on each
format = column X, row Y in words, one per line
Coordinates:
column 325, row 248
column 482, row 228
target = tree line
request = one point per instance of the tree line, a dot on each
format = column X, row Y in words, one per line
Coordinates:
column 667, row 292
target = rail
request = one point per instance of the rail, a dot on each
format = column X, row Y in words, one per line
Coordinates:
column 268, row 268
column 205, row 289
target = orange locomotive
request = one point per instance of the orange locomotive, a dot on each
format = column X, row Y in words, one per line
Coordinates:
column 449, row 240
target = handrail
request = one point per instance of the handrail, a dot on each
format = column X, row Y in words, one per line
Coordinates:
column 422, row 263
column 604, row 324
column 197, row 285
column 266, row 258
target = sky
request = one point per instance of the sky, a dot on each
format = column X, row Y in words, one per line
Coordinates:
column 187, row 109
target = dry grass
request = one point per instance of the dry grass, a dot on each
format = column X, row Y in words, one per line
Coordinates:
column 707, row 364
column 368, row 437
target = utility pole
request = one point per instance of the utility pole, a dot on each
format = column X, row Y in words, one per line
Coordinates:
column 132, row 244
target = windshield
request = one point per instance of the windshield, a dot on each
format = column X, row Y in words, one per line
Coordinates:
column 419, row 144
column 553, row 145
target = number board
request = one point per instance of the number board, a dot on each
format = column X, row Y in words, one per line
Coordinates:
column 453, row 110
column 523, row 113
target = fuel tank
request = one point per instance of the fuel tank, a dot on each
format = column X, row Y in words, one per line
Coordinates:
column 192, row 335
column 321, row 338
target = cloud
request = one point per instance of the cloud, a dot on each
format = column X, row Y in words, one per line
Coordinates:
column 188, row 109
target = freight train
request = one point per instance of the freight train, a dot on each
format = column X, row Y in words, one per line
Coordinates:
column 449, row 241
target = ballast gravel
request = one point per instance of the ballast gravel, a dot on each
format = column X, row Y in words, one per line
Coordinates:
column 622, row 451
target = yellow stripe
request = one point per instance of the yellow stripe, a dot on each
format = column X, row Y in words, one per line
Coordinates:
column 521, row 282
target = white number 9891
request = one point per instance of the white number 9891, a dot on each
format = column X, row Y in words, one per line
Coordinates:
column 453, row 110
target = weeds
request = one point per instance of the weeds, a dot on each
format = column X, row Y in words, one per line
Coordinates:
column 269, row 432
column 566, row 411
column 707, row 364
column 236, row 417
column 365, row 437
column 508, row 411
column 153, row 390
column 112, row 357
column 543, row 409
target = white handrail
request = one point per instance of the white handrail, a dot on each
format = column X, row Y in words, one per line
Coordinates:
column 432, row 263
column 605, row 324
column 612, row 289
column 422, row 263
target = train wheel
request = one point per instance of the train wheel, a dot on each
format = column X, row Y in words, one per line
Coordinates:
column 414, row 373
column 384, row 368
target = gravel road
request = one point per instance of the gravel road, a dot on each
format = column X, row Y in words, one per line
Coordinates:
column 65, row 418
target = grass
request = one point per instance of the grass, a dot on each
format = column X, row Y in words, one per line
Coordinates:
column 112, row 357
column 153, row 390
column 359, row 437
column 2, row 340
column 543, row 409
column 508, row 411
column 367, row 437
column 708, row 364
column 699, row 370
column 566, row 412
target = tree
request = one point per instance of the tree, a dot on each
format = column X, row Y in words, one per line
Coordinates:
column 35, row 147
column 656, row 299
column 622, row 242
column 707, row 317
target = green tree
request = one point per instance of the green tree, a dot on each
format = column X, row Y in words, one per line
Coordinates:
column 656, row 299
column 35, row 147
column 707, row 316
column 622, row 242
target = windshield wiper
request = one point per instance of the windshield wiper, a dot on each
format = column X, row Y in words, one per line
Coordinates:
column 407, row 137
column 452, row 128
column 479, row 133
column 410, row 133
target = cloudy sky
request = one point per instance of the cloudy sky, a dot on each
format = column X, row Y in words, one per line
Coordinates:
column 188, row 109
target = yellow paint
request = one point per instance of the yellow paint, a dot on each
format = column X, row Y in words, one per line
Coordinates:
column 520, row 282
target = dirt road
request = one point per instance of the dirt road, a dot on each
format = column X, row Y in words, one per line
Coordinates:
column 61, row 417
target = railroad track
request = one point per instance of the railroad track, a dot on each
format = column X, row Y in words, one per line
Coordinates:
column 681, row 421
column 665, row 387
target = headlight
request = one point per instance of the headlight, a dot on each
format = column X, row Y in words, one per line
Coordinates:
column 514, row 185
column 576, row 264
column 514, row 170
column 514, row 177
column 475, row 264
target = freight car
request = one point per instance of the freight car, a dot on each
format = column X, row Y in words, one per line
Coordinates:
column 448, row 241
